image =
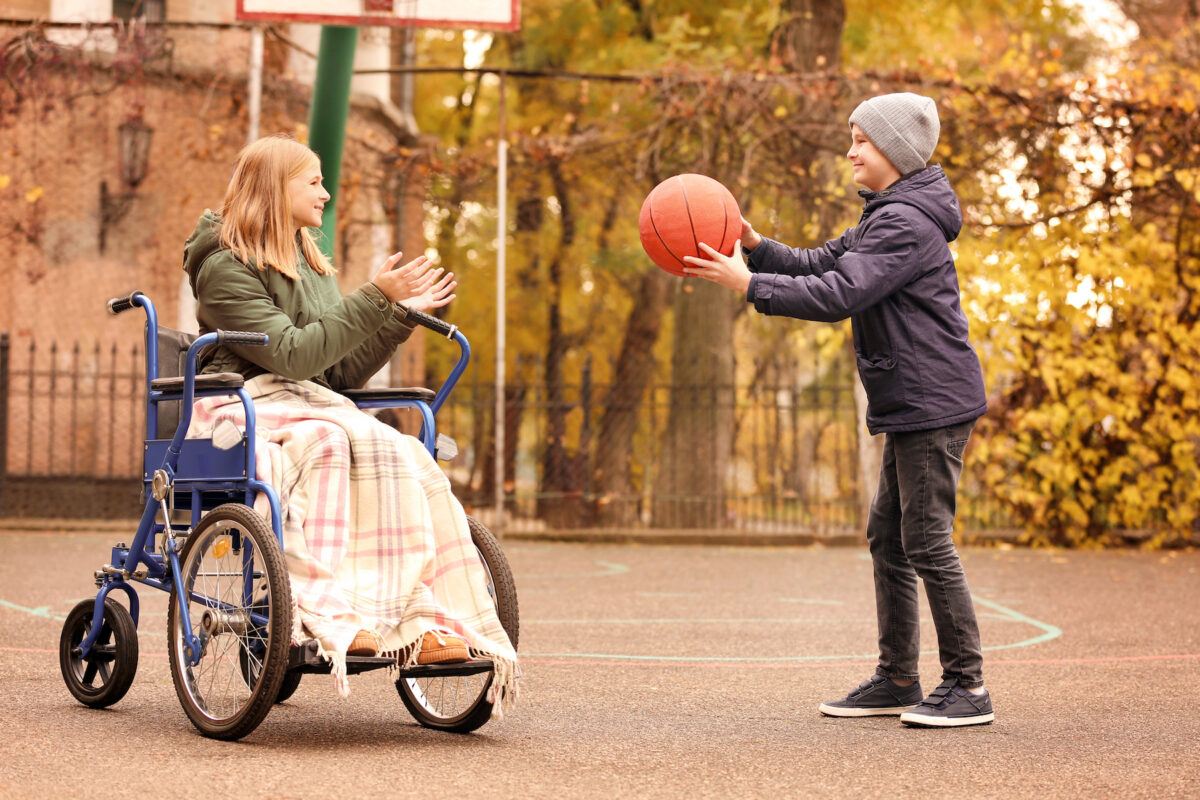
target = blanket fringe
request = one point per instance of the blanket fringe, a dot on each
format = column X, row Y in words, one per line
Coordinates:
column 337, row 662
column 505, row 688
column 506, row 672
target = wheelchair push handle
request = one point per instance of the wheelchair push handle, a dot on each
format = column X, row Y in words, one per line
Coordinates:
column 118, row 305
column 244, row 338
column 432, row 323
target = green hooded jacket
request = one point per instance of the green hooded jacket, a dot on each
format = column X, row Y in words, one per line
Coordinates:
column 315, row 333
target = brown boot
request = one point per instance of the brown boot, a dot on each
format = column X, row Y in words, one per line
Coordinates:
column 366, row 643
column 442, row 649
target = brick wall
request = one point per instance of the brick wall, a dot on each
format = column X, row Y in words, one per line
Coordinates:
column 59, row 143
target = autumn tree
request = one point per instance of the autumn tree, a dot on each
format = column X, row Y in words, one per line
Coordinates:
column 1078, row 183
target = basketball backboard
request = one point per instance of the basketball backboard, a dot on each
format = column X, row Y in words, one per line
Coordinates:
column 500, row 15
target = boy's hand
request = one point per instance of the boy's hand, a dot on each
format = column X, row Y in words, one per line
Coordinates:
column 728, row 271
column 750, row 237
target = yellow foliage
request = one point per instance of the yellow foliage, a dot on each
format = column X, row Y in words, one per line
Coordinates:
column 1093, row 426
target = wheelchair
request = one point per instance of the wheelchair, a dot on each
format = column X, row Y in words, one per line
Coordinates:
column 229, row 619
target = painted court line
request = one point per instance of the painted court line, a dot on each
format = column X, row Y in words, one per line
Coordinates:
column 1048, row 632
column 584, row 661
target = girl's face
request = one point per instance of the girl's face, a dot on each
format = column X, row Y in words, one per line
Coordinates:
column 308, row 197
column 872, row 170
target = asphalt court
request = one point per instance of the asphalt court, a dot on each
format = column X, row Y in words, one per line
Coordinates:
column 691, row 671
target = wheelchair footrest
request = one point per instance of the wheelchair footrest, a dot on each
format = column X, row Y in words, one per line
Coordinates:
column 303, row 658
column 472, row 667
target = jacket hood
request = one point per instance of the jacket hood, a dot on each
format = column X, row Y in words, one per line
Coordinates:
column 930, row 192
column 204, row 241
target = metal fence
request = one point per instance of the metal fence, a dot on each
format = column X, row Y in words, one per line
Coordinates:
column 71, row 423
column 792, row 464
column 71, row 431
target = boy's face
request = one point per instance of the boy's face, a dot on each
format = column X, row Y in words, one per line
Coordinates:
column 872, row 170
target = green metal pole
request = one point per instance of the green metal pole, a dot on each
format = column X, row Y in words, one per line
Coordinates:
column 327, row 117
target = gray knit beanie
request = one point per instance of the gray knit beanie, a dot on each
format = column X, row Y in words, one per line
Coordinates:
column 903, row 126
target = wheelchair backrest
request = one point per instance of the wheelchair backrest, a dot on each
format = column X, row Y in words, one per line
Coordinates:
column 172, row 358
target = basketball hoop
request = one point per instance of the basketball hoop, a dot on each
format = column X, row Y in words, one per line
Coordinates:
column 497, row 15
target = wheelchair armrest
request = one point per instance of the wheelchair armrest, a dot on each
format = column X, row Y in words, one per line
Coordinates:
column 407, row 393
column 218, row 380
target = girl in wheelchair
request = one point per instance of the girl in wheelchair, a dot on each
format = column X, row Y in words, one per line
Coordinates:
column 378, row 549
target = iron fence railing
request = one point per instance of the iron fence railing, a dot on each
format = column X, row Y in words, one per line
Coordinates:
column 72, row 416
column 71, row 419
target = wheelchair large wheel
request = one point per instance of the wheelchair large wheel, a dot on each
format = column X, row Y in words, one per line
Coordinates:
column 291, row 682
column 104, row 675
column 239, row 604
column 250, row 663
column 454, row 701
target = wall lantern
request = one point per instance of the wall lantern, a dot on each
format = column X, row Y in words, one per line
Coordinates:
column 133, row 137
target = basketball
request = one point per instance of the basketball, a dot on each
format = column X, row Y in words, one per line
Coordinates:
column 683, row 211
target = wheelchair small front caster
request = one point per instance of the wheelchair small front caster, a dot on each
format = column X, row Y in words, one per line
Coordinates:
column 104, row 675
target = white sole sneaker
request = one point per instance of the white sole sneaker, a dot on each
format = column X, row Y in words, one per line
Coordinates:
column 840, row 711
column 931, row 721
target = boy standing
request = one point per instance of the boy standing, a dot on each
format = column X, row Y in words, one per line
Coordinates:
column 894, row 276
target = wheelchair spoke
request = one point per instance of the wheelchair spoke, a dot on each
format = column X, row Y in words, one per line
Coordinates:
column 231, row 584
column 451, row 700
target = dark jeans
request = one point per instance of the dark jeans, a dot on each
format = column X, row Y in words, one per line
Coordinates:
column 910, row 534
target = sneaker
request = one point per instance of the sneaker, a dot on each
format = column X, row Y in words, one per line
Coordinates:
column 875, row 697
column 951, row 706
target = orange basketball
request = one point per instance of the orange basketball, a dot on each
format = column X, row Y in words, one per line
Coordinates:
column 683, row 211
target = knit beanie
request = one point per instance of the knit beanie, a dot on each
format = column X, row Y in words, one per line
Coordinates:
column 904, row 126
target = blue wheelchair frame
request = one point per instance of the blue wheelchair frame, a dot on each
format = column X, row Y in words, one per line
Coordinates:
column 197, row 467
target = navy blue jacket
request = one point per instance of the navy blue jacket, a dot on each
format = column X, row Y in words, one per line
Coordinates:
column 894, row 276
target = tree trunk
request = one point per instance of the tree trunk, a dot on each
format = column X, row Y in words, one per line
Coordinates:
column 809, row 35
column 561, row 504
column 618, row 498
column 809, row 39
column 696, row 460
column 1162, row 19
column 514, row 404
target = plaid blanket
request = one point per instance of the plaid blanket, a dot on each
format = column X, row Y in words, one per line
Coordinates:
column 373, row 535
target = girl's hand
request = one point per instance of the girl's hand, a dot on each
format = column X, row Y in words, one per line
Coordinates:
column 728, row 271
column 401, row 283
column 436, row 296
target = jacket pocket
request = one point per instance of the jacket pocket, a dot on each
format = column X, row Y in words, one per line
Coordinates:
column 881, row 379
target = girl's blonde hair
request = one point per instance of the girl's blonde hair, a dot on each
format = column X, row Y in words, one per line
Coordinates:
column 257, row 223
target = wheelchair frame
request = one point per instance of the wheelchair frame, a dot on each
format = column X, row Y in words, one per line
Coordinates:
column 202, row 476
